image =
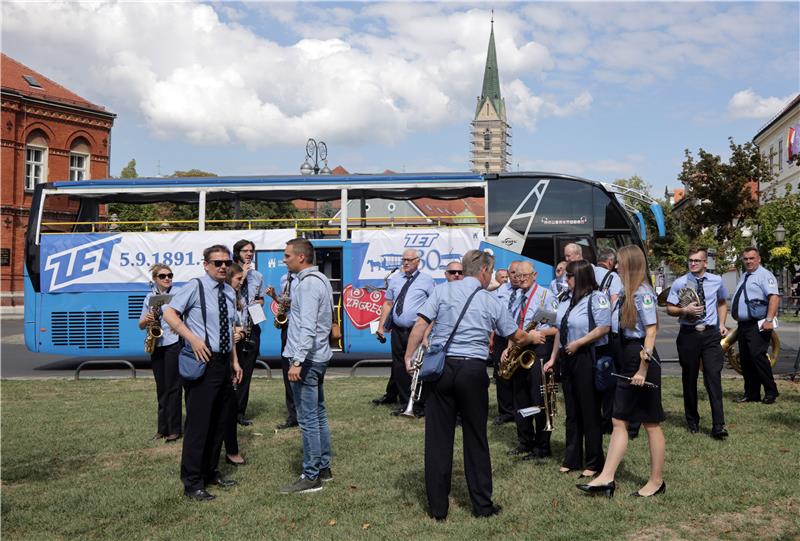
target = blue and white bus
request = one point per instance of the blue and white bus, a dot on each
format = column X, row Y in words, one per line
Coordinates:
column 85, row 280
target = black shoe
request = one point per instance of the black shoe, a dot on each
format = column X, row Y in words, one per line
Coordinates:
column 493, row 511
column 693, row 428
column 287, row 424
column 743, row 399
column 661, row 490
column 385, row 399
column 605, row 490
column 221, row 482
column 502, row 419
column 199, row 495
column 325, row 475
column 398, row 412
column 719, row 433
column 518, row 450
column 769, row 399
column 244, row 422
column 172, row 437
column 233, row 462
column 537, row 453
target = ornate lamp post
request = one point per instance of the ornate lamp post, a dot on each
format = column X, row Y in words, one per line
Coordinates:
column 318, row 151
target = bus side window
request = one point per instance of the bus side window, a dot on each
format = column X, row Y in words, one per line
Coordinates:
column 584, row 241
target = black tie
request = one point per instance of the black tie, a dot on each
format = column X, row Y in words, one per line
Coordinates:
column 518, row 313
column 512, row 298
column 702, row 294
column 288, row 291
column 246, row 292
column 402, row 296
column 736, row 299
column 224, row 331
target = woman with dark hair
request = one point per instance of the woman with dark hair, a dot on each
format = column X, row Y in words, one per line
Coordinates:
column 584, row 319
column 164, row 358
column 230, row 437
column 635, row 319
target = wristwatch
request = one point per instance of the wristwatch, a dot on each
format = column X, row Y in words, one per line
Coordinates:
column 296, row 364
column 770, row 319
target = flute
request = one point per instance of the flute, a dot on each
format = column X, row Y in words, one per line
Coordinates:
column 646, row 383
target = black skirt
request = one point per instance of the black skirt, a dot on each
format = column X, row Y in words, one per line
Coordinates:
column 632, row 403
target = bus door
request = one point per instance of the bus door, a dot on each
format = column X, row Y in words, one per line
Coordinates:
column 329, row 261
column 584, row 241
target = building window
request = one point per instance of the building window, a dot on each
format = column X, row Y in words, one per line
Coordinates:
column 487, row 140
column 486, row 165
column 34, row 166
column 771, row 159
column 780, row 154
column 77, row 166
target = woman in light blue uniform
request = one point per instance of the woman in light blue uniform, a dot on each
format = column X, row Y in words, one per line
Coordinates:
column 164, row 359
column 635, row 319
column 585, row 319
column 232, row 455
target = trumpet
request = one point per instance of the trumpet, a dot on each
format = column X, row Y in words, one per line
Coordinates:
column 549, row 391
column 416, row 383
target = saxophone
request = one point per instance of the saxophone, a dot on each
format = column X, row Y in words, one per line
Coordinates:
column 154, row 330
column 517, row 356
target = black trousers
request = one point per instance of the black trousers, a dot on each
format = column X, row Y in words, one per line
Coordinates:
column 462, row 389
column 505, row 390
column 756, row 369
column 288, row 395
column 402, row 379
column 248, row 364
column 584, row 436
column 693, row 346
column 207, row 399
column 607, row 396
column 164, row 362
column 230, row 432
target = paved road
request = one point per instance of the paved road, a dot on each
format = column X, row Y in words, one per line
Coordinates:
column 17, row 362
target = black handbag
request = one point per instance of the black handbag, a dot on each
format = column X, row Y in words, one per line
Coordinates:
column 189, row 367
column 433, row 360
column 602, row 365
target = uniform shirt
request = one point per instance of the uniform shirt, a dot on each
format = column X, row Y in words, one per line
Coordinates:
column 170, row 336
column 310, row 317
column 284, row 280
column 542, row 298
column 255, row 287
column 485, row 314
column 714, row 290
column 615, row 284
column 557, row 285
column 578, row 322
column 646, row 313
column 504, row 292
column 416, row 295
column 187, row 303
column 760, row 285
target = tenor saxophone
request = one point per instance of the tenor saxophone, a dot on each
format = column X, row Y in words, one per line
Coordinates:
column 517, row 356
column 154, row 331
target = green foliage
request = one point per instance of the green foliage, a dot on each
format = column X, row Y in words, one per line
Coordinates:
column 129, row 171
column 79, row 462
column 780, row 211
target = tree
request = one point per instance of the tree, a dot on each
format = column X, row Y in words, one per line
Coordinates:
column 129, row 171
column 783, row 211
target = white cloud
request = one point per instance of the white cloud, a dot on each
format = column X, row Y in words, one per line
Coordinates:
column 748, row 104
column 525, row 108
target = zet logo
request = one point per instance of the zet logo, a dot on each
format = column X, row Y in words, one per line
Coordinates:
column 70, row 265
column 420, row 240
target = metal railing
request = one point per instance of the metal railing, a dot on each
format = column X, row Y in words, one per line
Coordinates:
column 84, row 363
column 372, row 362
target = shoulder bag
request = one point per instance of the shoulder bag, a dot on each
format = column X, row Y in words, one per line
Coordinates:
column 189, row 367
column 604, row 364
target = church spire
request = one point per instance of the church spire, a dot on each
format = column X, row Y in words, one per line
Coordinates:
column 491, row 80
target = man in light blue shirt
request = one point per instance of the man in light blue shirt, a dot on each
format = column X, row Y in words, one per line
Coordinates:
column 209, row 397
column 702, row 328
column 463, row 385
column 756, row 299
column 308, row 347
column 407, row 291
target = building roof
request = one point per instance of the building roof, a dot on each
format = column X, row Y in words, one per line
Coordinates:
column 777, row 118
column 20, row 79
column 491, row 81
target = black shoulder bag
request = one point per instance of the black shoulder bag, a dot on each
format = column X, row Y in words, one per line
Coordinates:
column 604, row 364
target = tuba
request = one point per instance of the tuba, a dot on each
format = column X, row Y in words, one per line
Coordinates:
column 732, row 354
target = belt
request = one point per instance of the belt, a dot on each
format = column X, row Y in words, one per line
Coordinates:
column 747, row 322
column 460, row 359
column 637, row 339
column 690, row 328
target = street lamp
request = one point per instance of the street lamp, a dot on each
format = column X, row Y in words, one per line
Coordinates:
column 780, row 234
column 318, row 151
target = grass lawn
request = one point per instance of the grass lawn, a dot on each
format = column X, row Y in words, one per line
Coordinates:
column 78, row 463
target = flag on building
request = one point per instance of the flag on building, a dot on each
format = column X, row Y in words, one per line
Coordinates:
column 793, row 141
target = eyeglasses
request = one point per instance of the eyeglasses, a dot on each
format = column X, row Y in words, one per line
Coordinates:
column 409, row 259
column 570, row 275
column 454, row 272
column 748, row 259
column 696, row 261
column 221, row 262
column 165, row 276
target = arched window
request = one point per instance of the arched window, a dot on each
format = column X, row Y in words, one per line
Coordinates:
column 79, row 160
column 35, row 160
column 487, row 140
column 486, row 166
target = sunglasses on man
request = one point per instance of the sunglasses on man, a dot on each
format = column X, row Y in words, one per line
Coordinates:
column 221, row 262
column 454, row 272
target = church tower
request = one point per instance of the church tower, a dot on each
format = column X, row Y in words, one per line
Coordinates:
column 491, row 146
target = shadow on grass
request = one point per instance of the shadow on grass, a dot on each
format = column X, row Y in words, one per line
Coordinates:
column 791, row 420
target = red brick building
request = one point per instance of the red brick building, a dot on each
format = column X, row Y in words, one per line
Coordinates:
column 49, row 134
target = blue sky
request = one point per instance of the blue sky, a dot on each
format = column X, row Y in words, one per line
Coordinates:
column 601, row 90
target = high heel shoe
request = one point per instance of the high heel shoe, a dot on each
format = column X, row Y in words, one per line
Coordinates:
column 605, row 490
column 233, row 462
column 661, row 490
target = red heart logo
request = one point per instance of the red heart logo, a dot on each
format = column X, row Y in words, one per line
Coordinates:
column 273, row 307
column 362, row 306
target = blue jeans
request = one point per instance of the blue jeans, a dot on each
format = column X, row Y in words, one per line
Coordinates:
column 309, row 398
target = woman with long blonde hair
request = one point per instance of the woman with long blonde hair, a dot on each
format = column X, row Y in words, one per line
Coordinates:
column 635, row 319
